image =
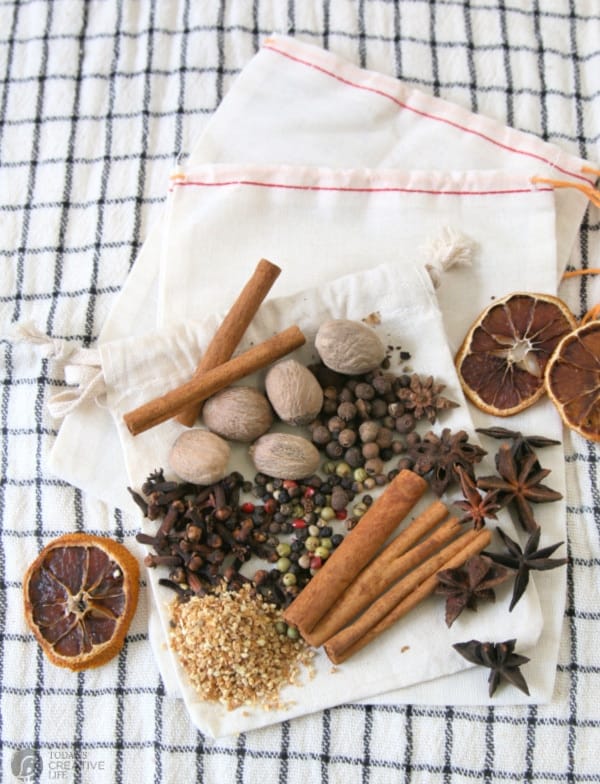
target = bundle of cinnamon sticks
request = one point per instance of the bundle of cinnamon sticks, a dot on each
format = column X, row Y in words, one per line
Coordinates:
column 216, row 369
column 367, row 585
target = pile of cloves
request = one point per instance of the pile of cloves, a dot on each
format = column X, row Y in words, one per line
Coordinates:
column 204, row 535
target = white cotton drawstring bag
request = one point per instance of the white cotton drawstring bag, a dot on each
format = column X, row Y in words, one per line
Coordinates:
column 321, row 223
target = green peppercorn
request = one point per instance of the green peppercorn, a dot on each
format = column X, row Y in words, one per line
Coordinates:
column 283, row 549
column 322, row 552
column 289, row 578
column 329, row 467
column 312, row 543
column 343, row 469
column 293, row 633
column 326, row 543
column 283, row 564
column 359, row 509
column 359, row 475
column 327, row 513
column 281, row 627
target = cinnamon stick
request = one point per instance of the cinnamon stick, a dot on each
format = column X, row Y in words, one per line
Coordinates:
column 404, row 596
column 379, row 575
column 357, row 549
column 232, row 328
column 198, row 389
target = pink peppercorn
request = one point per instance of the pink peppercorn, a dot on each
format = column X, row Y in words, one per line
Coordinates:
column 298, row 522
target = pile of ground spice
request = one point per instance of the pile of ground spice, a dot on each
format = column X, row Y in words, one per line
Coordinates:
column 232, row 651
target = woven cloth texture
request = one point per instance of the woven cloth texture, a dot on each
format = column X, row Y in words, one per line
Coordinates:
column 98, row 100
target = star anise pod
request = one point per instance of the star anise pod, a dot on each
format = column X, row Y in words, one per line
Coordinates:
column 521, row 444
column 526, row 560
column 477, row 507
column 423, row 398
column 500, row 657
column 437, row 457
column 465, row 586
column 519, row 484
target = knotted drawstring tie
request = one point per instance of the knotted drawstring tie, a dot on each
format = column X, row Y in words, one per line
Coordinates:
column 451, row 248
column 82, row 371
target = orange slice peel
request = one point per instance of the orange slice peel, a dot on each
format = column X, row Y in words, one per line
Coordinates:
column 80, row 595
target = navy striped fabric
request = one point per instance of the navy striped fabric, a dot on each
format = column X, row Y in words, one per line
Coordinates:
column 97, row 101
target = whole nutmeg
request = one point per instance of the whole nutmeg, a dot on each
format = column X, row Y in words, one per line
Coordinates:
column 349, row 347
column 294, row 392
column 199, row 456
column 285, row 456
column 238, row 413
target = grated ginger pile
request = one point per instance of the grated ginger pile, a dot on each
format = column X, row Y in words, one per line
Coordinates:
column 231, row 651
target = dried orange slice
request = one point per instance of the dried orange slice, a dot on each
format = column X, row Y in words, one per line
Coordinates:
column 80, row 596
column 573, row 380
column 502, row 359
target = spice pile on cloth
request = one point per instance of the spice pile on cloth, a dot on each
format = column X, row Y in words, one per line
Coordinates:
column 316, row 173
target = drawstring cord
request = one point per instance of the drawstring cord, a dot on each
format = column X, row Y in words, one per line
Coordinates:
column 588, row 190
column 593, row 194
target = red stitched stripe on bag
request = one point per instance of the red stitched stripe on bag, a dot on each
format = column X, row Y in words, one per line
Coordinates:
column 421, row 113
column 289, row 186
